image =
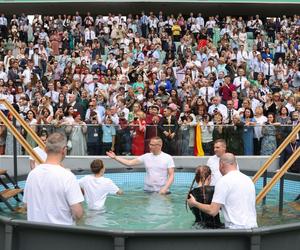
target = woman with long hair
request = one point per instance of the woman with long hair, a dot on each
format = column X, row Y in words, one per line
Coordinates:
column 269, row 144
column 203, row 193
column 248, row 135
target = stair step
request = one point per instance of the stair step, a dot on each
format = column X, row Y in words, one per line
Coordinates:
column 8, row 193
column 3, row 171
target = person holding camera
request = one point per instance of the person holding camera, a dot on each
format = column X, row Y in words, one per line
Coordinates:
column 138, row 127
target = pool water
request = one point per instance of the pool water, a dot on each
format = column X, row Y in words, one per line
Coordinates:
column 137, row 210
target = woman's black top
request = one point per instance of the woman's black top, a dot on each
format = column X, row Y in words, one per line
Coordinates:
column 205, row 196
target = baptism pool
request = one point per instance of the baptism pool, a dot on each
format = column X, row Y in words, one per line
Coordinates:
column 137, row 210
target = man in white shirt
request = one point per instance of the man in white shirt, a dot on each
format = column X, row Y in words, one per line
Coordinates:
column 240, row 80
column 210, row 68
column 207, row 92
column 89, row 35
column 52, row 193
column 40, row 152
column 213, row 161
column 27, row 73
column 254, row 102
column 52, row 94
column 234, row 194
column 242, row 55
column 159, row 167
column 200, row 20
column 268, row 68
column 217, row 106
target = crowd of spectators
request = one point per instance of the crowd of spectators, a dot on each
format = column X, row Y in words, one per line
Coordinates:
column 113, row 82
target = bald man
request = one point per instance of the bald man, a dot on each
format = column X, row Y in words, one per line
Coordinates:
column 234, row 193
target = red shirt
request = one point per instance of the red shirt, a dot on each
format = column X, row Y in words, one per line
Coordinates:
column 226, row 91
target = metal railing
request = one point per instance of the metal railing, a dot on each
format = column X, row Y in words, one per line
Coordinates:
column 281, row 147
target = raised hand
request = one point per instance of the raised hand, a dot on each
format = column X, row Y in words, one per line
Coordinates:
column 111, row 154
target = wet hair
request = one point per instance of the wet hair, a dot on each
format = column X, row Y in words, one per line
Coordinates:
column 96, row 166
column 202, row 172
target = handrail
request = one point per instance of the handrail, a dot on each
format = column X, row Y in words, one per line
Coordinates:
column 277, row 152
column 278, row 175
column 23, row 123
column 20, row 138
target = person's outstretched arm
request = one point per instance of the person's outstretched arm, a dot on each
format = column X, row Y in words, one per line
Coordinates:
column 127, row 162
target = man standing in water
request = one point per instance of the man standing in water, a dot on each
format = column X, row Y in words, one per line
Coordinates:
column 213, row 161
column 159, row 167
column 52, row 193
column 234, row 193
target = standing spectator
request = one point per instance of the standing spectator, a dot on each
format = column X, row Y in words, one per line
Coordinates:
column 268, row 144
column 78, row 136
column 94, row 135
column 234, row 136
column 249, row 124
column 260, row 120
column 138, row 136
column 219, row 128
column 285, row 122
column 32, row 122
column 168, row 128
column 108, row 135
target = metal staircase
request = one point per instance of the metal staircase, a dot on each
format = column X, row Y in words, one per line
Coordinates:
column 7, row 192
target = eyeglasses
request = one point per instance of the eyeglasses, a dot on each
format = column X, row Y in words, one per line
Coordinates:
column 153, row 145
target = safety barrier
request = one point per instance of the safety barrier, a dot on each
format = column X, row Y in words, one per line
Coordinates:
column 22, row 235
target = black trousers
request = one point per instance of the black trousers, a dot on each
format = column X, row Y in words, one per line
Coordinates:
column 257, row 145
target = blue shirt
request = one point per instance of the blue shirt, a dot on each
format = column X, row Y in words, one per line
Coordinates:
column 108, row 132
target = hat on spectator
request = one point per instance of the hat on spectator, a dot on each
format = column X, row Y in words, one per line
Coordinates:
column 173, row 106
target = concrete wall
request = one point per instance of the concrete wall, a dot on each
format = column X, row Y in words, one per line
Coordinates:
column 250, row 163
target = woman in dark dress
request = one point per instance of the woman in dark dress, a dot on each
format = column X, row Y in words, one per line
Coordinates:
column 204, row 193
column 234, row 136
